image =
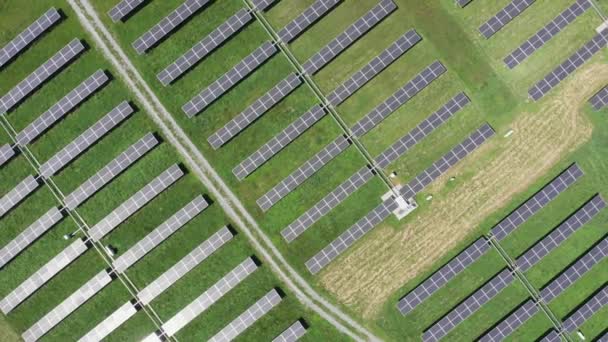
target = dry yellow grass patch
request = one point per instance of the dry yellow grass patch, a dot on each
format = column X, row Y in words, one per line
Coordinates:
column 388, row 258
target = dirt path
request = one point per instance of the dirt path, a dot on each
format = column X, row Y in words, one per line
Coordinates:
column 389, row 258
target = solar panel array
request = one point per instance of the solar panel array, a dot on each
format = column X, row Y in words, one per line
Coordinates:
column 111, row 323
column 374, row 67
column 167, row 24
column 6, row 153
column 573, row 62
column 62, row 107
column 69, row 305
column 546, row 33
column 349, row 36
column 110, row 171
column 443, row 276
column 123, row 9
column 216, row 89
column 160, row 234
column 552, row 336
column 504, row 16
column 278, row 142
column 85, row 140
column 18, row 194
column 463, row 3
column 598, row 101
column 204, row 47
column 248, row 318
column 561, row 233
column 28, row 36
column 182, row 267
column 44, row 274
column 254, row 111
column 548, row 193
column 313, row 13
column 262, row 5
column 583, row 313
column 508, row 325
column 399, row 98
column 40, row 75
column 291, row 334
column 29, row 235
column 135, row 202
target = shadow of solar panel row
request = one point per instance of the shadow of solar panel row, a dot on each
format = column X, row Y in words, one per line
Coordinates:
column 313, row 13
column 110, row 323
column 560, row 234
column 6, row 153
column 106, row 174
column 159, row 31
column 85, row 140
column 135, row 202
column 69, row 305
column 123, row 9
column 349, row 36
column 254, row 111
column 216, row 89
column 583, row 313
column 399, row 98
column 516, row 319
column 42, row 275
column 503, row 17
column 546, row 33
column 18, row 194
column 160, row 234
column 29, row 235
column 291, row 334
column 248, row 318
column 278, row 142
column 204, row 47
column 262, row 5
column 451, row 158
column 28, row 36
column 470, row 305
column 40, row 75
column 443, row 276
column 185, row 265
column 62, row 107
column 598, row 101
column 533, row 205
column 463, row 3
column 374, row 67
column 573, row 62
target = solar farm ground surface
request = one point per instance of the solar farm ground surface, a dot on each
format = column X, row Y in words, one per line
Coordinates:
column 136, row 227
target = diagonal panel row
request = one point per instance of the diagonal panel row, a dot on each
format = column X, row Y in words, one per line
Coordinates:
column 588, row 309
column 262, row 5
column 123, row 9
column 291, row 334
column 313, row 13
column 598, row 101
column 503, row 17
column 6, row 153
column 18, row 194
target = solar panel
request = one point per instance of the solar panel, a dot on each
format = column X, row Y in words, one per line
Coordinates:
column 182, row 267
column 204, row 47
column 508, row 325
column 248, row 318
column 6, row 153
column 560, row 234
column 583, row 313
column 254, row 111
column 546, row 33
column 62, row 107
column 135, row 202
column 313, row 13
column 69, row 305
column 399, row 98
column 552, row 336
column 448, row 160
column 28, row 36
column 463, row 3
column 220, row 86
column 278, row 142
column 598, row 101
column 548, row 193
column 573, row 62
column 106, row 174
column 111, row 323
column 504, row 16
column 160, row 234
column 44, row 274
column 18, row 194
column 159, row 31
column 349, row 36
column 40, row 75
column 29, row 235
column 262, row 5
column 291, row 334
column 124, row 8
column 85, row 140
column 469, row 306
column 443, row 276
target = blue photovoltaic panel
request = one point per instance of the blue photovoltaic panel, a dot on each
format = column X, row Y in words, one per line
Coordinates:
column 584, row 312
column 262, row 5
column 598, row 101
column 124, row 8
column 6, row 153
column 508, row 325
column 313, row 13
column 504, row 16
column 291, row 334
